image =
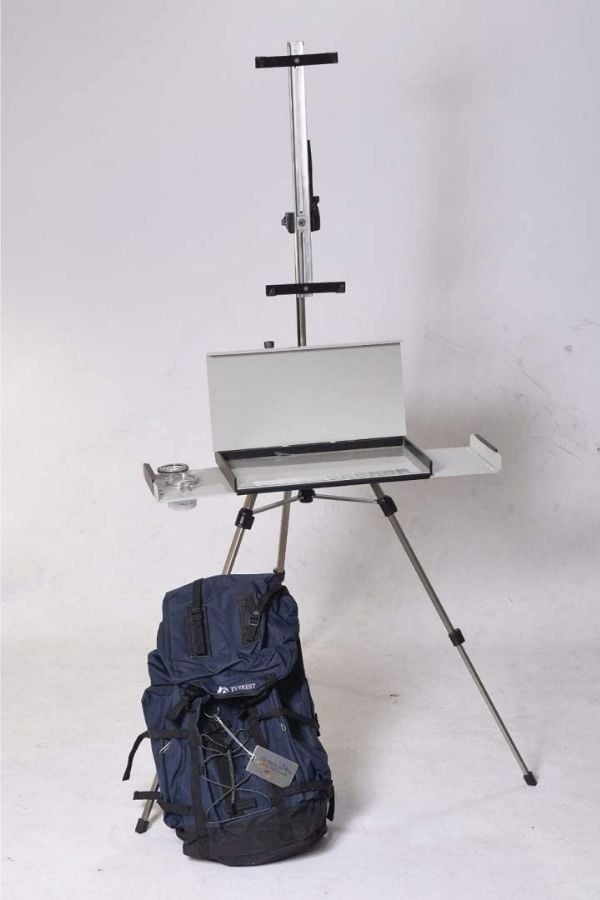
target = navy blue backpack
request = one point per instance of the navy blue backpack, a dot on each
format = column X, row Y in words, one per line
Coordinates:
column 243, row 778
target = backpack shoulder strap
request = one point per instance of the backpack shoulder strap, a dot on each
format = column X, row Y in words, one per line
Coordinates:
column 253, row 606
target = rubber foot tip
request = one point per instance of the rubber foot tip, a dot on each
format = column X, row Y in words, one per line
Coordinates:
column 141, row 826
column 530, row 778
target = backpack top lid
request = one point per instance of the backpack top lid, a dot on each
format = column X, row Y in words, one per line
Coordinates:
column 229, row 634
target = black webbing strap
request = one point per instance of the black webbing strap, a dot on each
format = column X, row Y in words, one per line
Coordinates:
column 289, row 714
column 197, row 623
column 252, row 607
column 154, row 736
column 197, row 764
column 331, row 807
column 178, row 809
column 249, row 618
column 323, row 785
column 190, row 693
column 132, row 752
column 227, row 779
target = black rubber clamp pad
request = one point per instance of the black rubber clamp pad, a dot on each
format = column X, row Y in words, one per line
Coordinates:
column 387, row 505
column 294, row 59
column 457, row 637
column 245, row 518
column 314, row 287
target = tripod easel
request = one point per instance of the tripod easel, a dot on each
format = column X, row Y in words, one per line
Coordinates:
column 301, row 223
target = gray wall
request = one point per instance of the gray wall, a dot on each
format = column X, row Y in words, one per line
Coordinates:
column 146, row 169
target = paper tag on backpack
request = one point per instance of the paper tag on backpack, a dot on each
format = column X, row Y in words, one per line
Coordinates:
column 272, row 767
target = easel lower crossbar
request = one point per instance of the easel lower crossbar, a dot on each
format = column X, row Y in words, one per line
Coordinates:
column 341, row 497
column 285, row 502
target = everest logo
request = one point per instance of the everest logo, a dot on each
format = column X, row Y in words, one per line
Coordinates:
column 236, row 688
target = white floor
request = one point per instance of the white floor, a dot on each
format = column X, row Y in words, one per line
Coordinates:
column 430, row 803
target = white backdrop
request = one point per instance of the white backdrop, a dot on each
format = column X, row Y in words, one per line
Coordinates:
column 146, row 168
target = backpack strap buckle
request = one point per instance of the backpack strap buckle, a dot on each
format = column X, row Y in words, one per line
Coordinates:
column 252, row 607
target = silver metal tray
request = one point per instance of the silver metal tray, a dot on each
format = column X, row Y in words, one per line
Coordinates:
column 323, row 465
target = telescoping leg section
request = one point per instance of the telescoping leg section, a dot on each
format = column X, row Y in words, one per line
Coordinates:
column 244, row 522
column 455, row 634
column 283, row 533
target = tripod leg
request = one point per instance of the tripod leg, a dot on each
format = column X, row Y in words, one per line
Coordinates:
column 144, row 819
column 283, row 533
column 389, row 509
column 244, row 521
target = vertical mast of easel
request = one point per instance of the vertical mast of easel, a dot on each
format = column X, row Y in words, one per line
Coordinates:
column 305, row 217
column 300, row 223
column 302, row 198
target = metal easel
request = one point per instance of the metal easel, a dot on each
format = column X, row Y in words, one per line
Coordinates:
column 301, row 222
